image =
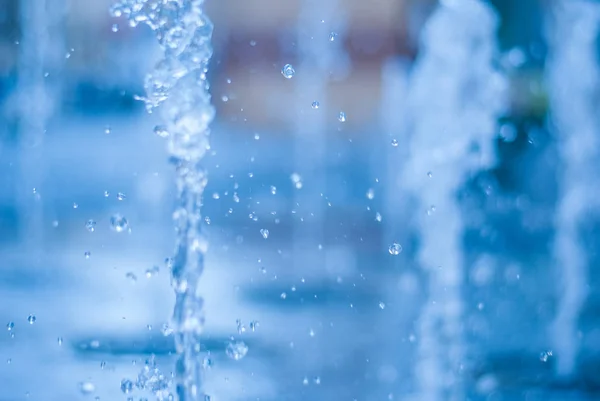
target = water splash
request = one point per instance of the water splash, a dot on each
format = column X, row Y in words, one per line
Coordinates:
column 179, row 86
column 573, row 100
column 455, row 98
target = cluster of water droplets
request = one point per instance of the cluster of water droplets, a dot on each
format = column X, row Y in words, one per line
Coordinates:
column 179, row 86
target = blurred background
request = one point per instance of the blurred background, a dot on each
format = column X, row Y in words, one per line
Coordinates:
column 302, row 206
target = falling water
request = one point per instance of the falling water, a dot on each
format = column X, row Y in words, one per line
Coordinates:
column 455, row 98
column 319, row 39
column 40, row 50
column 573, row 77
column 179, row 85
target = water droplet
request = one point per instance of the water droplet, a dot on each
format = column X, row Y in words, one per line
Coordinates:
column 265, row 233
column 378, row 217
column 75, row 205
column 107, row 130
column 311, row 333
column 225, row 98
column 283, row 295
column 106, row 194
column 256, row 137
column 317, row 380
column 371, row 194
column 31, row 319
column 254, row 325
column 381, row 305
column 216, row 195
column 10, row 326
column 253, row 43
column 332, row 36
column 132, row 277
column 273, row 190
column 161, row 131
column 87, row 254
column 90, row 225
column 121, row 196
column 431, row 210
column 236, row 350
column 236, row 197
column 394, row 142
column 429, row 174
column 87, row 387
column 395, row 249
column 288, row 71
column 544, row 355
column 342, row 117
column 315, row 105
column 60, row 341
column 305, row 381
column 297, row 180
column 115, row 28
column 153, row 271
column 166, row 330
column 126, row 386
column 118, row 223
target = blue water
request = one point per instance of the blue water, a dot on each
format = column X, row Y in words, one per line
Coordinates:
column 329, row 339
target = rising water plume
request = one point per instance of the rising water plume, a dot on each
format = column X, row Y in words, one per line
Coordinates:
column 455, row 98
column 179, row 86
column 573, row 76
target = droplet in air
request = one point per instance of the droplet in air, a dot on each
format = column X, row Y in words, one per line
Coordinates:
column 161, row 131
column 236, row 350
column 315, row 105
column 87, row 254
column 10, row 326
column 126, row 386
column 115, row 28
column 90, row 225
column 381, row 305
column 87, row 387
column 31, row 319
column 378, row 217
column 288, row 71
column 297, row 180
column 153, row 271
column 395, row 249
column 106, row 194
column 264, row 232
column 544, row 355
column 273, row 190
column 118, row 223
column 342, row 117
column 107, row 130
column 332, row 36
column 131, row 276
column 121, row 196
column 75, row 205
column 395, row 142
column 370, row 194
column 429, row 174
column 225, row 98
column 60, row 341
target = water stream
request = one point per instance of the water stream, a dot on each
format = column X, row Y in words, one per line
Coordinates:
column 573, row 76
column 179, row 86
column 455, row 99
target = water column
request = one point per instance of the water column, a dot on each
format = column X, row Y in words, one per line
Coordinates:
column 37, row 97
column 178, row 84
column 318, row 46
column 455, row 98
column 573, row 78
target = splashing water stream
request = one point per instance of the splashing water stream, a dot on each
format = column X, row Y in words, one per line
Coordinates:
column 179, row 86
column 573, row 76
column 455, row 98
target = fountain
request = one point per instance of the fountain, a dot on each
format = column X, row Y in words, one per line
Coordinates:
column 38, row 95
column 179, row 86
column 573, row 102
column 319, row 51
column 455, row 98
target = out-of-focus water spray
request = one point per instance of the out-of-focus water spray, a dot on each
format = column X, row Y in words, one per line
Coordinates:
column 320, row 39
column 573, row 78
column 455, row 98
column 37, row 98
column 179, row 86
